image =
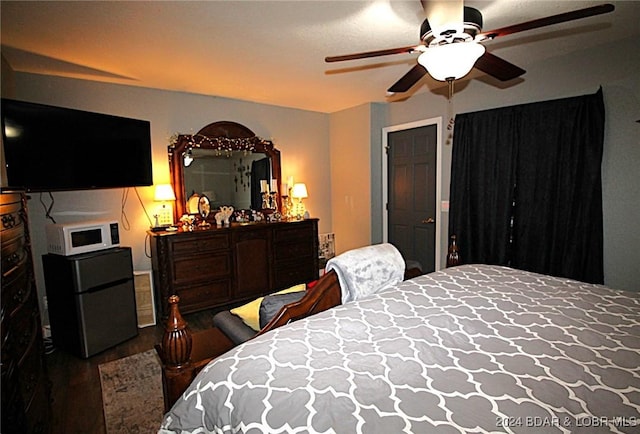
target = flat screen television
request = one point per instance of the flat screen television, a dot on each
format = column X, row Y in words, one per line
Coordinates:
column 49, row 148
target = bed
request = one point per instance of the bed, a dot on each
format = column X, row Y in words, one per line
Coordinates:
column 473, row 348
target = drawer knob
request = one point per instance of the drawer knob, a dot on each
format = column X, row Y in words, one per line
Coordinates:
column 8, row 221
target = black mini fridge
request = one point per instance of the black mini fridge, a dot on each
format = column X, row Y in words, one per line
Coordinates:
column 91, row 300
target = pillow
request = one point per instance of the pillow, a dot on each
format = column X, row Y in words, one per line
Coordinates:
column 250, row 312
column 271, row 305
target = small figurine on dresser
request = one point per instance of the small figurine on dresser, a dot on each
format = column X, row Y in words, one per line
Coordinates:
column 187, row 221
column 223, row 216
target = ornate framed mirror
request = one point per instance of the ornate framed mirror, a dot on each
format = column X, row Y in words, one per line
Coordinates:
column 226, row 162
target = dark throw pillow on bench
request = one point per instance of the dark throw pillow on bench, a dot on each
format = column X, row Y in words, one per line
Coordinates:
column 271, row 305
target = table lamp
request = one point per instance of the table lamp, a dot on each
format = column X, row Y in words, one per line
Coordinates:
column 164, row 217
column 299, row 191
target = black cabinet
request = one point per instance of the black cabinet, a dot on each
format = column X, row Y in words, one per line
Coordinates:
column 91, row 300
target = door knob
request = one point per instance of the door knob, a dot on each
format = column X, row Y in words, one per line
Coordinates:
column 429, row 220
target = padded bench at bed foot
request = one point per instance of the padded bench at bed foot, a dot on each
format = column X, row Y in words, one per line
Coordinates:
column 233, row 327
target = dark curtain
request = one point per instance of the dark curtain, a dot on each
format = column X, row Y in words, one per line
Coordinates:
column 526, row 187
column 260, row 169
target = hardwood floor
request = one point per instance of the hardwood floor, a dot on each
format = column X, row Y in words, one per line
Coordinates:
column 76, row 393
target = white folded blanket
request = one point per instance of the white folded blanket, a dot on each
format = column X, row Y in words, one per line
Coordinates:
column 367, row 270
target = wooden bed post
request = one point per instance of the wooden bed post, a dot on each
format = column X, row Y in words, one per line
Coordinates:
column 176, row 342
column 175, row 353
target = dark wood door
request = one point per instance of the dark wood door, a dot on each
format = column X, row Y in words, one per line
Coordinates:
column 412, row 193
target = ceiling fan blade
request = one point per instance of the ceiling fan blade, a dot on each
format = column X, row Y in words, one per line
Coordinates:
column 547, row 21
column 408, row 80
column 498, row 67
column 375, row 53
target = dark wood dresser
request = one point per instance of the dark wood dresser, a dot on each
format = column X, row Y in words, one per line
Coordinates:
column 26, row 390
column 220, row 266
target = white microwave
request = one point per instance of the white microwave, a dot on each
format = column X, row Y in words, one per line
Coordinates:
column 72, row 238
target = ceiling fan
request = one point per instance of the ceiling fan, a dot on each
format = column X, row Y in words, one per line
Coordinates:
column 451, row 44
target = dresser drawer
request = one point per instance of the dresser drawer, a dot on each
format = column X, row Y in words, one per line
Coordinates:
column 295, row 242
column 14, row 253
column 199, row 268
column 11, row 219
column 198, row 244
column 23, row 329
column 6, row 356
column 16, row 289
column 202, row 296
column 295, row 250
column 296, row 234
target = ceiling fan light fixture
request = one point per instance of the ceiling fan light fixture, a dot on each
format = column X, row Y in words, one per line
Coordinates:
column 451, row 61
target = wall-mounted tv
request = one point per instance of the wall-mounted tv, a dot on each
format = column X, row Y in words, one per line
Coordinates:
column 49, row 148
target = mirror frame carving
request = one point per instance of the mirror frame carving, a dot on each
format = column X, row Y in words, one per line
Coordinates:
column 225, row 136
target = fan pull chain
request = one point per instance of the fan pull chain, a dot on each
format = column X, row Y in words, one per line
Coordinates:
column 450, row 113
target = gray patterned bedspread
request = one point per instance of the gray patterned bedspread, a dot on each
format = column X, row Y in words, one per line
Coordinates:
column 473, row 348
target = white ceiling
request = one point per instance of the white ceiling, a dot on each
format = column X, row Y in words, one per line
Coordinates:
column 271, row 51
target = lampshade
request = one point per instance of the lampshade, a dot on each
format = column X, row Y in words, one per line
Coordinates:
column 299, row 191
column 164, row 192
column 451, row 61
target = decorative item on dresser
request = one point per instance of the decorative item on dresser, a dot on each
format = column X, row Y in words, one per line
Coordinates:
column 223, row 265
column 26, row 394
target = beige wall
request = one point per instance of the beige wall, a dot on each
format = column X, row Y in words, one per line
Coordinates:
column 350, row 149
